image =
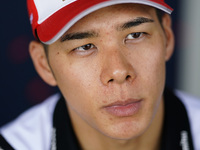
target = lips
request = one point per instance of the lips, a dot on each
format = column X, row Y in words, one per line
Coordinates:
column 124, row 108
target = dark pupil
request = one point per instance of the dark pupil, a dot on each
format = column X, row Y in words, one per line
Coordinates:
column 86, row 47
column 136, row 35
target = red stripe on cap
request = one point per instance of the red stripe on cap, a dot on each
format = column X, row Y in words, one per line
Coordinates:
column 162, row 2
column 50, row 27
column 33, row 15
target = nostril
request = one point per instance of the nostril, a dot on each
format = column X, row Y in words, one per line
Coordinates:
column 127, row 77
column 111, row 80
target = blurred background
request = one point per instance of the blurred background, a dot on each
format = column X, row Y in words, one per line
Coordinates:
column 21, row 87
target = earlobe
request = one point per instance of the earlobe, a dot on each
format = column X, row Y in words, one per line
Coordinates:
column 40, row 62
column 169, row 36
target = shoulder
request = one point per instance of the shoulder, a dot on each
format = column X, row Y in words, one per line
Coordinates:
column 192, row 105
column 32, row 129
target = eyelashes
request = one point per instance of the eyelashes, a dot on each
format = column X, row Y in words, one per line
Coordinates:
column 131, row 36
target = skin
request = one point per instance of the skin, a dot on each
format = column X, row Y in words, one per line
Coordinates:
column 117, row 66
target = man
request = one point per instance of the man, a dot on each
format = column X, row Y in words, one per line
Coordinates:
column 108, row 60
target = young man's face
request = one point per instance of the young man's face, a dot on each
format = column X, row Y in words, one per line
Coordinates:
column 110, row 67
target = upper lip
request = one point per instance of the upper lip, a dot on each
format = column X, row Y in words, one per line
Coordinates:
column 122, row 103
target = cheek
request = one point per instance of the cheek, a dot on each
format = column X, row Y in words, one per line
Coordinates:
column 153, row 61
column 77, row 84
column 150, row 68
column 155, row 67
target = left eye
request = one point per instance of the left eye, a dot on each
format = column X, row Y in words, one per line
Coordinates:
column 85, row 47
column 135, row 35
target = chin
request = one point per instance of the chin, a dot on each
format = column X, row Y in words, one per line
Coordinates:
column 124, row 136
column 125, row 131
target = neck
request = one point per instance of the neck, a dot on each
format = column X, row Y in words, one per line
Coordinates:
column 150, row 138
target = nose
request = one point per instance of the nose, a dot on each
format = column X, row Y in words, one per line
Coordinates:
column 117, row 69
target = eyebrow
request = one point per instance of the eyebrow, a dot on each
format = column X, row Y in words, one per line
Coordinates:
column 135, row 22
column 91, row 34
column 78, row 36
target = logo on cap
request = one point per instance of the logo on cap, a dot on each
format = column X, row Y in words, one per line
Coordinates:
column 31, row 18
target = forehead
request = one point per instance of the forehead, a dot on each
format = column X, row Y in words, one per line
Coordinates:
column 112, row 15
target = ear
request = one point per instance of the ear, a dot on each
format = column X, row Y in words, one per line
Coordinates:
column 40, row 62
column 166, row 22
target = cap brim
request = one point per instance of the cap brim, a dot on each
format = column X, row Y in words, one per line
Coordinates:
column 57, row 24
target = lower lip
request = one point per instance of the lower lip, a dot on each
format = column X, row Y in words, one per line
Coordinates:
column 124, row 110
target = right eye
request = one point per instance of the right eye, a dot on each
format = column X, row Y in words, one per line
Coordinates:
column 135, row 35
column 84, row 47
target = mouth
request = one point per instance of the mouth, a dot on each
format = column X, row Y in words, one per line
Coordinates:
column 124, row 108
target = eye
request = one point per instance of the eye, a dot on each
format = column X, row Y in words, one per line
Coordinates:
column 85, row 47
column 135, row 35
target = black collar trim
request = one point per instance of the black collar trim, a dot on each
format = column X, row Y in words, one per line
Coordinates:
column 63, row 136
column 176, row 131
column 4, row 144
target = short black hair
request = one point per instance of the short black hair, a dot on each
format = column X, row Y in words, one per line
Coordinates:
column 46, row 47
column 160, row 14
